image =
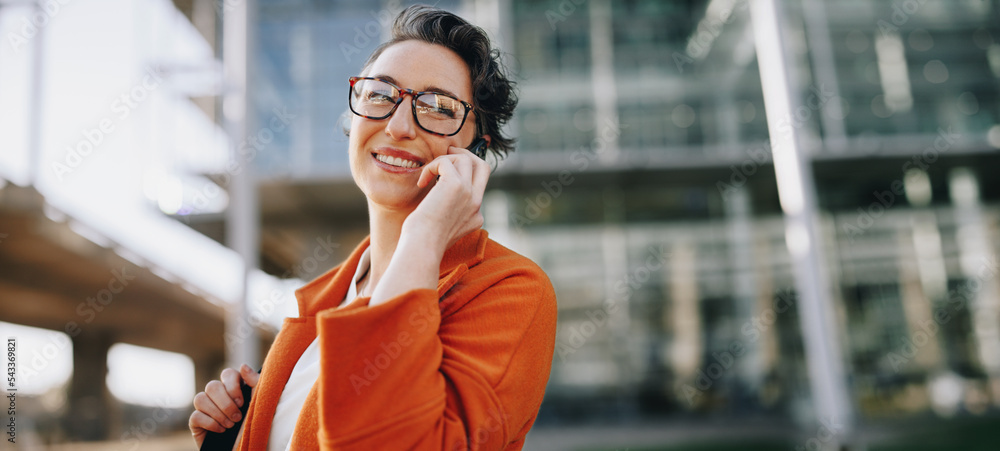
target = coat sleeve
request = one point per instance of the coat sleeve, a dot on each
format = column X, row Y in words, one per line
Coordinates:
column 398, row 376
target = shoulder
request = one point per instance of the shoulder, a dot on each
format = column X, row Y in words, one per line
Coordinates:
column 505, row 277
column 502, row 262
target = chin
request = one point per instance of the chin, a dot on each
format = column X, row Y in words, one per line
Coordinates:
column 396, row 199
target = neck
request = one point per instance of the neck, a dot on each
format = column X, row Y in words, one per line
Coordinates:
column 385, row 226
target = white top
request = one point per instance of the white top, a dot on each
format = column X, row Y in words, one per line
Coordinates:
column 304, row 376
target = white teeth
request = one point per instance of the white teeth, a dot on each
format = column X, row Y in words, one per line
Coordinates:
column 396, row 161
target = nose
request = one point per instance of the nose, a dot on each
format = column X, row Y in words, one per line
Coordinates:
column 401, row 124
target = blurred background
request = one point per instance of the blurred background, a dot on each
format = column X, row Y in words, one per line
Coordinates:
column 799, row 254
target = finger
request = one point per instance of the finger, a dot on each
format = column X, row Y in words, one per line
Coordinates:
column 454, row 154
column 434, row 169
column 198, row 423
column 250, row 376
column 198, row 433
column 480, row 177
column 217, row 393
column 204, row 404
column 446, row 168
column 464, row 165
column 231, row 380
column 428, row 173
column 454, row 150
column 477, row 162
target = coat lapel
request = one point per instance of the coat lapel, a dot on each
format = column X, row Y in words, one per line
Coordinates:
column 296, row 335
column 306, row 435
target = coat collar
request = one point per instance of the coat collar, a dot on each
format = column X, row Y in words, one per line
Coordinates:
column 329, row 289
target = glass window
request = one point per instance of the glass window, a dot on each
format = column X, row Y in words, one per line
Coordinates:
column 551, row 38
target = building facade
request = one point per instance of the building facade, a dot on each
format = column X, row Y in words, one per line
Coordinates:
column 643, row 185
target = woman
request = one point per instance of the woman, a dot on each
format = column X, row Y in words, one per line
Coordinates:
column 430, row 335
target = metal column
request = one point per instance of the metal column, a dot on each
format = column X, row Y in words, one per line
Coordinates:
column 979, row 268
column 796, row 192
column 825, row 71
column 242, row 216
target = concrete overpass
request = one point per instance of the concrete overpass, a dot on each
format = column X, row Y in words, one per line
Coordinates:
column 53, row 277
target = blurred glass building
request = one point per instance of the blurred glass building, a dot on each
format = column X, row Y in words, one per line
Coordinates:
column 643, row 184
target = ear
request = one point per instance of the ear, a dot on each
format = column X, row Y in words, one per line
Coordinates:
column 487, row 139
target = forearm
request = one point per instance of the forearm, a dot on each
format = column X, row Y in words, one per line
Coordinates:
column 415, row 264
column 405, row 379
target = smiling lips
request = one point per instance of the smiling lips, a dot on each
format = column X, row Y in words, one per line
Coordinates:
column 396, row 160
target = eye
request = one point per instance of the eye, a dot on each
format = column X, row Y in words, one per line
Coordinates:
column 438, row 106
column 378, row 97
column 437, row 111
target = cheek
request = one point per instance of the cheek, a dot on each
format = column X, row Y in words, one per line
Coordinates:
column 463, row 139
column 355, row 143
column 361, row 132
column 352, row 146
column 365, row 128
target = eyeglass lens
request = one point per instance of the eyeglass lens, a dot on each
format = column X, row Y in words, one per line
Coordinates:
column 438, row 113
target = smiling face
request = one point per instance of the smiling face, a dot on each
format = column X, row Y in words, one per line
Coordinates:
column 387, row 155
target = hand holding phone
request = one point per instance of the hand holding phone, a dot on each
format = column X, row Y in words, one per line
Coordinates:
column 219, row 410
column 449, row 211
column 451, row 207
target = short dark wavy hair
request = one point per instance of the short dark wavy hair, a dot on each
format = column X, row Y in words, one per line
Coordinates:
column 493, row 90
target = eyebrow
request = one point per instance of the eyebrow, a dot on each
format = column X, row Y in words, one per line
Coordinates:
column 425, row 88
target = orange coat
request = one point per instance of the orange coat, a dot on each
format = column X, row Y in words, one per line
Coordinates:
column 460, row 367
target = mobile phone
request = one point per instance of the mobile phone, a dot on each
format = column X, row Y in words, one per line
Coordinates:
column 478, row 147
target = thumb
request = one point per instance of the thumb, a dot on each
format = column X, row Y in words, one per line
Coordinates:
column 249, row 375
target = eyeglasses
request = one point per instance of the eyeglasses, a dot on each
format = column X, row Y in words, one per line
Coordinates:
column 434, row 112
